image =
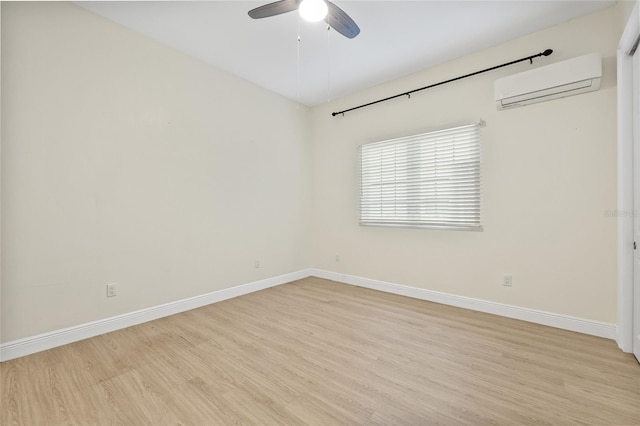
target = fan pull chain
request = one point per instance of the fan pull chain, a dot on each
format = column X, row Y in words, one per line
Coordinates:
column 298, row 66
column 328, row 64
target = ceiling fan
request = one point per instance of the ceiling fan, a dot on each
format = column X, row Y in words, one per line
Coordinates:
column 311, row 10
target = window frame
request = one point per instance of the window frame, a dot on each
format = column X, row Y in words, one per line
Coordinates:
column 427, row 138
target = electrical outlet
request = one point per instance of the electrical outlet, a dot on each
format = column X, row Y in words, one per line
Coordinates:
column 337, row 257
column 507, row 280
column 111, row 290
column 257, row 264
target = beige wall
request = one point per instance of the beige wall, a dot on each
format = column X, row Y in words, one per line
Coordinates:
column 549, row 176
column 125, row 161
column 0, row 177
column 625, row 7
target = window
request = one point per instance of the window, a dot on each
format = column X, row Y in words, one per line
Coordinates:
column 430, row 180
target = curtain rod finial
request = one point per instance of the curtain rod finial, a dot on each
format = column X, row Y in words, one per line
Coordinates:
column 547, row 52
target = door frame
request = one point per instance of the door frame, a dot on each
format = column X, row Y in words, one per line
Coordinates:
column 626, row 213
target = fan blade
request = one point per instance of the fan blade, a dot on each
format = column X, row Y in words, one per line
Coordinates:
column 275, row 8
column 341, row 22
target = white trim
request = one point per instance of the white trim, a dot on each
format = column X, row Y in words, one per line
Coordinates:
column 626, row 212
column 565, row 322
column 41, row 342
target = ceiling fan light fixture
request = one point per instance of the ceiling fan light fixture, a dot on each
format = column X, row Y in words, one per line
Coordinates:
column 313, row 10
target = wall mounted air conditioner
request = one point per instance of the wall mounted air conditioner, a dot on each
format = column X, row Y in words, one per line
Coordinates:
column 559, row 80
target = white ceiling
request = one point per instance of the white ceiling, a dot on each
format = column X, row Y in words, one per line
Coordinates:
column 397, row 38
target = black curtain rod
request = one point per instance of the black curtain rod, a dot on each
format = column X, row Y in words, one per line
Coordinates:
column 408, row 94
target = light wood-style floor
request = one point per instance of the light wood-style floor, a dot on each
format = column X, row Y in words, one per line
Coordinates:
column 322, row 353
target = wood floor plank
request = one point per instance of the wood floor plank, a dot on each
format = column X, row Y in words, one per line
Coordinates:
column 318, row 352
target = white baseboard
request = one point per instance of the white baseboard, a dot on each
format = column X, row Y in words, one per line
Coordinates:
column 41, row 342
column 565, row 322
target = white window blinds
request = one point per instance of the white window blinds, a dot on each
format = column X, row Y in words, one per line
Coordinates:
column 429, row 180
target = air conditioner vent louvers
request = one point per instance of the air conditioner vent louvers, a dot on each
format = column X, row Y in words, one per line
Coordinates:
column 559, row 80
